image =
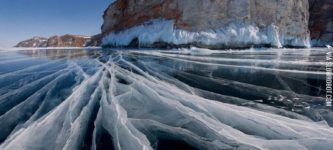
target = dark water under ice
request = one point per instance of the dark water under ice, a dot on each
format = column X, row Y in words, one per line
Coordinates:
column 36, row 86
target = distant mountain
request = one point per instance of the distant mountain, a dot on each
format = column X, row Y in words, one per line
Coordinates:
column 67, row 40
column 33, row 42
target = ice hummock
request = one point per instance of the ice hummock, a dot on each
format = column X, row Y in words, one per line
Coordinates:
column 236, row 34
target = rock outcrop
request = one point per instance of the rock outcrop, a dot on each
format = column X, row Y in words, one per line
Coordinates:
column 61, row 41
column 321, row 22
column 207, row 23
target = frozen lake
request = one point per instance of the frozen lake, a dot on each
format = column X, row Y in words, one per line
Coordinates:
column 164, row 99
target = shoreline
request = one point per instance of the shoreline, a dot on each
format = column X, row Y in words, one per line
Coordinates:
column 41, row 48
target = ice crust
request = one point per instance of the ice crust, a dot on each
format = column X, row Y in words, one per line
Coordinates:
column 237, row 34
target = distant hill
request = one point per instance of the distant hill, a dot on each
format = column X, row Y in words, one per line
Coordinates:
column 67, row 40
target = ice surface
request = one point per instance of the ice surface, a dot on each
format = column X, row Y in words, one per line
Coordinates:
column 130, row 100
column 240, row 34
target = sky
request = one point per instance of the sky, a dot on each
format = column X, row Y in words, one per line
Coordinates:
column 23, row 19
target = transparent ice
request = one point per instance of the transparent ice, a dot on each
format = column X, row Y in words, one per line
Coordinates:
column 140, row 99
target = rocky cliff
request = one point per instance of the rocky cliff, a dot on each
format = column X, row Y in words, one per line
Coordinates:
column 207, row 23
column 61, row 41
column 321, row 22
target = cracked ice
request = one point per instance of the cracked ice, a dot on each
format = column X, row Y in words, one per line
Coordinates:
column 133, row 100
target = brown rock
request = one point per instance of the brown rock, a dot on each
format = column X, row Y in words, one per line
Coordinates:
column 321, row 22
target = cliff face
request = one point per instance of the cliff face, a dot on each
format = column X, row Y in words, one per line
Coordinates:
column 223, row 22
column 321, row 22
column 58, row 41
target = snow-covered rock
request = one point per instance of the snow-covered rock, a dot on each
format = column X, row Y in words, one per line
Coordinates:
column 213, row 24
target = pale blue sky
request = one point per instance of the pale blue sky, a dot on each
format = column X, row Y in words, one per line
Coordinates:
column 23, row 19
